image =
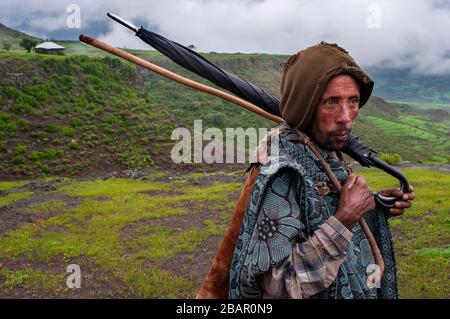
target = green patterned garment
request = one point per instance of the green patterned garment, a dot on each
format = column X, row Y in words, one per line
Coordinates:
column 294, row 209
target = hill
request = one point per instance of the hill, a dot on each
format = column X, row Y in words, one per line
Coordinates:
column 396, row 85
column 80, row 115
column 404, row 86
column 391, row 84
column 13, row 37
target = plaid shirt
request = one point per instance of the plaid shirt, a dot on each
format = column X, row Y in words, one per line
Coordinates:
column 313, row 264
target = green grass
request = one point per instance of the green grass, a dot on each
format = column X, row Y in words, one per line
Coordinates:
column 13, row 197
column 95, row 230
column 48, row 207
column 124, row 227
column 11, row 184
column 422, row 234
column 34, row 279
column 164, row 242
column 400, row 129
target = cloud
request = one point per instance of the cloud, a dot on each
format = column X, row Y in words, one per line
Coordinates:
column 401, row 33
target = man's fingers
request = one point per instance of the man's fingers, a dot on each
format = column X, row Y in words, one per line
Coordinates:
column 408, row 196
column 402, row 204
column 361, row 180
column 396, row 211
column 351, row 180
column 391, row 192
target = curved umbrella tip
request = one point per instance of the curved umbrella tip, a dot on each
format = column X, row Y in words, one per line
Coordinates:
column 123, row 22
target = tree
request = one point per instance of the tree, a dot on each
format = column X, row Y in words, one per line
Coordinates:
column 6, row 45
column 27, row 44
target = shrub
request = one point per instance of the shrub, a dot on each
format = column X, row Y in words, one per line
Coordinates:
column 52, row 128
column 39, row 92
column 20, row 106
column 67, row 131
column 391, row 159
column 18, row 159
column 63, row 109
column 6, row 45
column 11, row 92
column 58, row 99
column 30, row 100
column 215, row 118
column 34, row 156
column 11, row 127
column 47, row 154
column 20, row 149
column 5, row 117
column 81, row 102
column 44, row 168
column 23, row 125
column 52, row 154
column 38, row 134
column 107, row 128
column 107, row 140
column 28, row 44
column 73, row 145
column 75, row 122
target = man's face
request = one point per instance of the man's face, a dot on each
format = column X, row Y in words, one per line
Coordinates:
column 334, row 116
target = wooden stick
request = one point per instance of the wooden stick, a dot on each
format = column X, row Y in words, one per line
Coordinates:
column 178, row 78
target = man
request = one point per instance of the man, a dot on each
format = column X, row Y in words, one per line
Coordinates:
column 300, row 237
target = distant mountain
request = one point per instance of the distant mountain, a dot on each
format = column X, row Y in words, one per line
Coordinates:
column 404, row 86
column 14, row 37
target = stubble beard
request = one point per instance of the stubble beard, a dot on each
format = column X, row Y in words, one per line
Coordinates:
column 331, row 142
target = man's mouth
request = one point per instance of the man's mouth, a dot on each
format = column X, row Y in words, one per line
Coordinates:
column 342, row 135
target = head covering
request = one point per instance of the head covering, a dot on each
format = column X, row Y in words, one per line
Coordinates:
column 305, row 76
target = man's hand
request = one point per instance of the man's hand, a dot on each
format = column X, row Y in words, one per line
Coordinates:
column 356, row 200
column 401, row 205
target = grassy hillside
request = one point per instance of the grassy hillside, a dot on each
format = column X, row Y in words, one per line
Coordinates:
column 418, row 135
column 13, row 37
column 70, row 115
column 401, row 85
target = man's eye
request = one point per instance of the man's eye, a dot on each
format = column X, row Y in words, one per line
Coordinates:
column 331, row 102
column 354, row 100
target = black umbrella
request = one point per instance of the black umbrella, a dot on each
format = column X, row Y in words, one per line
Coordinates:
column 199, row 65
column 196, row 63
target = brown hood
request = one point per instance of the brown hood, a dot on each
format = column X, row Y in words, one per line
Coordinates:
column 305, row 76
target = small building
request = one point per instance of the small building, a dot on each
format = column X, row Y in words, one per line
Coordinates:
column 49, row 48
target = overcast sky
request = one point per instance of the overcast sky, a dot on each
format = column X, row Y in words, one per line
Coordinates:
column 394, row 33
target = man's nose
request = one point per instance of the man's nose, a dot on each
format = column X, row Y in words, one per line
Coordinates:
column 344, row 115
